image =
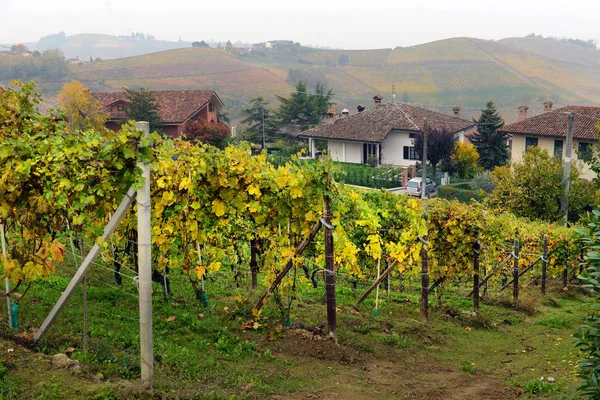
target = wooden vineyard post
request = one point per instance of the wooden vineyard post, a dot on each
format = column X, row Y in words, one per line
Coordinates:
column 6, row 281
column 253, row 262
column 476, row 248
column 329, row 262
column 145, row 268
column 544, row 264
column 424, row 284
column 516, row 270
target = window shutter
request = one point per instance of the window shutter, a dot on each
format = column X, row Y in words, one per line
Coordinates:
column 405, row 152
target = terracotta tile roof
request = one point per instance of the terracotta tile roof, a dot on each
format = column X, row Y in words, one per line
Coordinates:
column 374, row 124
column 332, row 111
column 174, row 106
column 554, row 123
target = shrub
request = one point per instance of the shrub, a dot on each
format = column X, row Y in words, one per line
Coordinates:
column 458, row 191
column 483, row 181
column 587, row 337
column 465, row 158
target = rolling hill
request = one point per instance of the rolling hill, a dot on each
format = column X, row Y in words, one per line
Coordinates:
column 437, row 75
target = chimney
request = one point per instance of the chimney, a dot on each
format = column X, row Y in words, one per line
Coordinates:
column 522, row 113
column 361, row 107
column 377, row 99
column 548, row 106
column 331, row 115
column 456, row 111
column 345, row 112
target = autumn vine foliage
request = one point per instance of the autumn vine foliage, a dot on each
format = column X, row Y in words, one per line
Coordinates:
column 209, row 204
column 51, row 176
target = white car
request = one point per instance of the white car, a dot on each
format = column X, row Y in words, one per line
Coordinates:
column 414, row 188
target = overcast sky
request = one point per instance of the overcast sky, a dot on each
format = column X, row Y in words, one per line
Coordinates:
column 350, row 24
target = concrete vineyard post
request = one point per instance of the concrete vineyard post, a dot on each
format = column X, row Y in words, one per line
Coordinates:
column 145, row 268
column 6, row 281
column 87, row 263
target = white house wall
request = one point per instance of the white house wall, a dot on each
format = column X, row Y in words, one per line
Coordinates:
column 354, row 152
column 392, row 148
column 335, row 148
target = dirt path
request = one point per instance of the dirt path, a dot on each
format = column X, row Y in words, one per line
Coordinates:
column 345, row 373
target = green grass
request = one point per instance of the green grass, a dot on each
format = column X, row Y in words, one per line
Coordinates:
column 212, row 355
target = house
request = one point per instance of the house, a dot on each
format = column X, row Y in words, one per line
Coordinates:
column 175, row 108
column 549, row 131
column 384, row 134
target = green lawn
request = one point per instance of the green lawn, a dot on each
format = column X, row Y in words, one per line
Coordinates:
column 204, row 353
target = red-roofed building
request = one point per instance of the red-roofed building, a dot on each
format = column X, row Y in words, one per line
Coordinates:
column 549, row 131
column 385, row 133
column 175, row 108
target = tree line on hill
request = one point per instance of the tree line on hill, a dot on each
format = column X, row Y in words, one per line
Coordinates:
column 49, row 65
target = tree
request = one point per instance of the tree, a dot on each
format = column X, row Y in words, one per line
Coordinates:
column 80, row 107
column 343, row 60
column 142, row 107
column 302, row 110
column 213, row 133
column 533, row 188
column 440, row 145
column 20, row 48
column 254, row 120
column 200, row 44
column 491, row 145
column 223, row 116
column 465, row 158
column 229, row 46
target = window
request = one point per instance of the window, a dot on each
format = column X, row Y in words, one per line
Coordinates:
column 558, row 149
column 530, row 141
column 411, row 135
column 120, row 108
column 410, row 153
column 585, row 151
column 211, row 107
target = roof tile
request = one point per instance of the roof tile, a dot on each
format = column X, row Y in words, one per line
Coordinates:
column 554, row 123
column 174, row 106
column 374, row 124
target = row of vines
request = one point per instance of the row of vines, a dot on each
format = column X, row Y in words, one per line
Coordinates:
column 210, row 205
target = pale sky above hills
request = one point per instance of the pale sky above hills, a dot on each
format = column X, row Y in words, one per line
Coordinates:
column 350, row 24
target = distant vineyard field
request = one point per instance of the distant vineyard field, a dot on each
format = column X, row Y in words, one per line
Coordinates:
column 355, row 57
column 457, row 49
column 451, row 76
column 410, row 78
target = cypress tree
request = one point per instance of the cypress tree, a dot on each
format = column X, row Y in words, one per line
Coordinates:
column 491, row 144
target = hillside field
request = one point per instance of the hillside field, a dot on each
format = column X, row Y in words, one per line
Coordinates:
column 437, row 75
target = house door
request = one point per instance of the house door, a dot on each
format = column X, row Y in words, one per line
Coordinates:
column 370, row 153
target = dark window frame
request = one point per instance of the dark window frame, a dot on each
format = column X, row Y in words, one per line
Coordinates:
column 584, row 150
column 558, row 150
column 409, row 153
column 529, row 142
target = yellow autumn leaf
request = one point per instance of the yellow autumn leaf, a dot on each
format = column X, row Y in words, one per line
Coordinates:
column 200, row 271
column 254, row 190
column 219, row 207
column 186, row 183
column 214, row 266
column 57, row 250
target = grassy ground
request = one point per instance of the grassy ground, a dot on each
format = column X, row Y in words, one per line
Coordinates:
column 204, row 352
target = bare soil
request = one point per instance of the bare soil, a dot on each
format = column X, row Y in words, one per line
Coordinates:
column 396, row 374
